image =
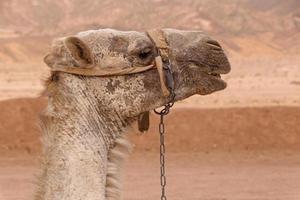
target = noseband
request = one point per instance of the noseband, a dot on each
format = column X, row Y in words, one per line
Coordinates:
column 161, row 63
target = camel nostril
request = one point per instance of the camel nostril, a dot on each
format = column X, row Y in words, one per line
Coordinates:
column 214, row 44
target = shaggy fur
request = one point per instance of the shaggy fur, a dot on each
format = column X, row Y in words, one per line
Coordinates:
column 116, row 157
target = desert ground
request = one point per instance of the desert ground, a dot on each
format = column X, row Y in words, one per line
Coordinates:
column 196, row 176
column 212, row 153
column 242, row 143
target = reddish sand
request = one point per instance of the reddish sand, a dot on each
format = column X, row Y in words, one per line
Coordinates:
column 215, row 176
column 212, row 154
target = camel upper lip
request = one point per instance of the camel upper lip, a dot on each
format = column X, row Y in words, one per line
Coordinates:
column 213, row 69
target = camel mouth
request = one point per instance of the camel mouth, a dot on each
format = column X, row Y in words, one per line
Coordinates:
column 215, row 75
column 216, row 83
column 217, row 78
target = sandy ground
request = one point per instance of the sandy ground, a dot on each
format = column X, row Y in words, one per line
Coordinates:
column 214, row 176
column 212, row 154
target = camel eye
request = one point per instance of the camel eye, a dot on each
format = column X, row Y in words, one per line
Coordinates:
column 144, row 54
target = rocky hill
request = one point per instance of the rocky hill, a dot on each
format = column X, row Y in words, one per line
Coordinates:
column 44, row 17
column 244, row 26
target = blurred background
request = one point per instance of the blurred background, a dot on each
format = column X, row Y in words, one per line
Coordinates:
column 240, row 143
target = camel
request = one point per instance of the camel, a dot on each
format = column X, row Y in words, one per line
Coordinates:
column 85, row 123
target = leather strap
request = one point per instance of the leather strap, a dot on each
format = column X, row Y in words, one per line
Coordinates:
column 102, row 71
column 159, row 39
column 162, row 61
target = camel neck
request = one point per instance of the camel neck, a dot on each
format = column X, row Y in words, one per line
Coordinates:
column 76, row 139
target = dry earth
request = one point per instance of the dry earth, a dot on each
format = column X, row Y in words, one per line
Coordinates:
column 213, row 154
column 197, row 176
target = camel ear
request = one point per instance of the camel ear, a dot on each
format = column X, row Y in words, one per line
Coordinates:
column 79, row 51
column 49, row 59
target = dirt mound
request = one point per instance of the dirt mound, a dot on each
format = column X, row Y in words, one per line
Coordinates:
column 227, row 129
column 202, row 130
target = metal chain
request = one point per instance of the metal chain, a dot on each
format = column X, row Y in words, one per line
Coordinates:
column 162, row 147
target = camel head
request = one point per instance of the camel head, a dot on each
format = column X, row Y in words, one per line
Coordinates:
column 197, row 62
